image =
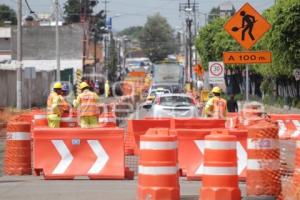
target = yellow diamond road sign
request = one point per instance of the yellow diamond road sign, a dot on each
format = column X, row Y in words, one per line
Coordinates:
column 247, row 26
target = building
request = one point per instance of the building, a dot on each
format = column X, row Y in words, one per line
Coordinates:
column 226, row 9
column 39, row 48
column 5, row 45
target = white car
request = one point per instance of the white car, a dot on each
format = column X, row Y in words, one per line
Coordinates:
column 173, row 106
column 157, row 92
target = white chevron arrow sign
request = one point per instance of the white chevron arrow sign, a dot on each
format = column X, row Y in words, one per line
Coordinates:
column 200, row 145
column 282, row 128
column 102, row 157
column 66, row 157
column 241, row 155
column 297, row 126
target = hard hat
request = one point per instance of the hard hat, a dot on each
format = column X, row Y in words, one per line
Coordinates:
column 83, row 85
column 57, row 85
column 216, row 90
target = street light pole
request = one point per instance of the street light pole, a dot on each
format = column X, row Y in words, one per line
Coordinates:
column 19, row 55
column 57, row 42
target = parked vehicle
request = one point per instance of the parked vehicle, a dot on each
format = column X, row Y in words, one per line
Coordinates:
column 138, row 64
column 174, row 106
column 173, row 87
column 156, row 92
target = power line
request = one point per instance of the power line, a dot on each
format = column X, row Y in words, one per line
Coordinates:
column 29, row 8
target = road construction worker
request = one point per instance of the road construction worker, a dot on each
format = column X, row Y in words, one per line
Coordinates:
column 56, row 106
column 106, row 89
column 88, row 106
column 216, row 107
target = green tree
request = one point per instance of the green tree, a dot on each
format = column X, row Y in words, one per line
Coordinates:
column 7, row 14
column 132, row 32
column 73, row 8
column 283, row 39
column 112, row 61
column 157, row 39
column 212, row 41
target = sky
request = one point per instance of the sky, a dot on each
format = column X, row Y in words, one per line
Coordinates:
column 126, row 13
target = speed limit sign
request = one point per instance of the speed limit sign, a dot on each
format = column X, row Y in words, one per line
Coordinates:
column 216, row 72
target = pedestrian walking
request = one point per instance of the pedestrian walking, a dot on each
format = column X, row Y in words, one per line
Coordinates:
column 232, row 105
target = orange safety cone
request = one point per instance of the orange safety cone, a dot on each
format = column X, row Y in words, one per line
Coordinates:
column 220, row 177
column 263, row 168
column 158, row 177
column 17, row 155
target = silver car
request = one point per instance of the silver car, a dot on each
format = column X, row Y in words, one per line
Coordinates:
column 173, row 106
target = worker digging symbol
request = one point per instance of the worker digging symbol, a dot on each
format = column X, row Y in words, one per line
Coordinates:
column 248, row 22
column 247, row 26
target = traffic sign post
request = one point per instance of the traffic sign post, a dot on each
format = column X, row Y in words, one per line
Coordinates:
column 247, row 26
column 216, row 72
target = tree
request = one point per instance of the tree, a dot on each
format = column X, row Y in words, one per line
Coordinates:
column 157, row 38
column 132, row 32
column 7, row 14
column 98, row 26
column 73, row 8
column 212, row 41
column 112, row 63
column 283, row 39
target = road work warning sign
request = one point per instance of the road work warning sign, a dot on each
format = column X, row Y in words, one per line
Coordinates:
column 253, row 57
column 216, row 72
column 247, row 26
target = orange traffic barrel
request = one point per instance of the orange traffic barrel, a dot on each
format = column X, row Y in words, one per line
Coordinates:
column 231, row 120
column 68, row 121
column 291, row 188
column 263, row 166
column 17, row 155
column 158, row 174
column 220, row 177
column 107, row 120
column 40, row 119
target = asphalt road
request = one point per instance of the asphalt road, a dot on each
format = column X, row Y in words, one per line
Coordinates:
column 33, row 188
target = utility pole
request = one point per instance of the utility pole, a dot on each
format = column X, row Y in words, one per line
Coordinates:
column 196, row 29
column 106, row 51
column 83, row 18
column 19, row 55
column 57, row 51
column 189, row 25
column 189, row 11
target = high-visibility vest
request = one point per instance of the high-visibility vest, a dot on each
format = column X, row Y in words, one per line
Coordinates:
column 56, row 104
column 88, row 104
column 219, row 107
column 106, row 88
